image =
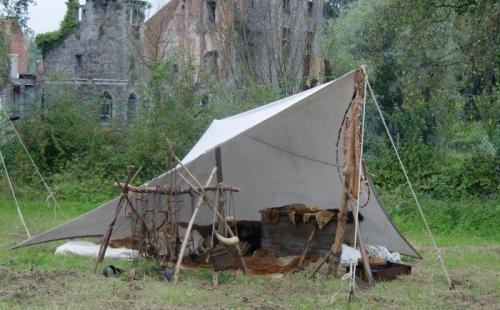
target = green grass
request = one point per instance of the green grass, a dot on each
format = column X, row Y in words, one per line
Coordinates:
column 34, row 277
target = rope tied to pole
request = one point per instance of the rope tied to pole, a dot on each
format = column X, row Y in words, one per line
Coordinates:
column 47, row 187
column 21, row 217
column 431, row 237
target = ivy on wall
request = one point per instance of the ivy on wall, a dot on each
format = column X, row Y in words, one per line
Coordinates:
column 49, row 40
column 4, row 58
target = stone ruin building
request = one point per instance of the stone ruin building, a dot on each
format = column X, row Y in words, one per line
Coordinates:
column 102, row 57
column 270, row 41
column 105, row 56
column 20, row 87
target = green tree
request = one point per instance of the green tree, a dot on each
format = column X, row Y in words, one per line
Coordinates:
column 46, row 41
column 435, row 72
column 17, row 9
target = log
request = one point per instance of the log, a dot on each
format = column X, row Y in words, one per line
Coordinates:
column 171, row 192
column 201, row 199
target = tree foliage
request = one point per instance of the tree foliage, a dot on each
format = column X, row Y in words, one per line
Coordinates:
column 78, row 152
column 434, row 67
column 46, row 41
column 432, row 64
column 17, row 9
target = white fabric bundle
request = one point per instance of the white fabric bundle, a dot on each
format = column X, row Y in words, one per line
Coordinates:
column 86, row 248
column 383, row 253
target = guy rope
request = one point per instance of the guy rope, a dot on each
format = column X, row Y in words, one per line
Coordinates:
column 431, row 237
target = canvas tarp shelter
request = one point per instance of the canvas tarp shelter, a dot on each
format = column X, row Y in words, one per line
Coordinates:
column 278, row 154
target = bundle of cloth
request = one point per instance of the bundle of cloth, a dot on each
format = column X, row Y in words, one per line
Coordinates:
column 350, row 254
column 87, row 248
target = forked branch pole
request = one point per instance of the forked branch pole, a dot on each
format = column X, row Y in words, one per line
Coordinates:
column 350, row 173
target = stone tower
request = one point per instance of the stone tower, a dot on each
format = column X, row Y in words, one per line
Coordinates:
column 272, row 41
column 102, row 57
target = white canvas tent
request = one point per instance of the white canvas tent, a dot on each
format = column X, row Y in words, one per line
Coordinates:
column 278, row 154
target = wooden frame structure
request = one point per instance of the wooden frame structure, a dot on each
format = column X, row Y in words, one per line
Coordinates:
column 195, row 189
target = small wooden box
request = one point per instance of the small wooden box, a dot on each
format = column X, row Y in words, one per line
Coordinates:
column 389, row 271
column 224, row 258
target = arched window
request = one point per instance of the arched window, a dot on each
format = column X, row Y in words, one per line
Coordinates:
column 131, row 106
column 105, row 107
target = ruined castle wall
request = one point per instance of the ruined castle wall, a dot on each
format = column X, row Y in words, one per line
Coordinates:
column 103, row 55
column 268, row 40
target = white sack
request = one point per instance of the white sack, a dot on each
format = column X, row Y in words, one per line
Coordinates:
column 349, row 254
column 90, row 249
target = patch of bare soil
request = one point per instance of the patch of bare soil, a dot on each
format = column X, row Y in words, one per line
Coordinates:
column 22, row 286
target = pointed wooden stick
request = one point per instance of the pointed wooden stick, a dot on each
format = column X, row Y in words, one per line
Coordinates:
column 306, row 249
column 201, row 199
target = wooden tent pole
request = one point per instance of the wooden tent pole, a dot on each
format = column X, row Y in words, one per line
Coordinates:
column 352, row 175
column 220, row 205
column 220, row 180
column 201, row 199
column 220, row 208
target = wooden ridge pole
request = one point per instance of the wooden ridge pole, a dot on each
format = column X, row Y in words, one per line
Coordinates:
column 173, row 192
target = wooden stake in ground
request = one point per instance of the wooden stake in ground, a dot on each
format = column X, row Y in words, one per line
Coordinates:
column 21, row 217
column 306, row 249
column 364, row 257
column 123, row 199
column 201, row 199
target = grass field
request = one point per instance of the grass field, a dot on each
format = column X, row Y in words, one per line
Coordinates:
column 35, row 278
